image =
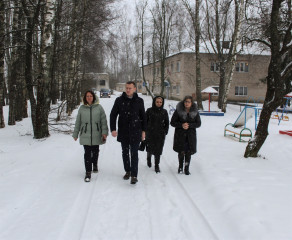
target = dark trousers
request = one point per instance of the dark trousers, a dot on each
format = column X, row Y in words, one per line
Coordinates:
column 184, row 156
column 90, row 156
column 130, row 164
column 156, row 157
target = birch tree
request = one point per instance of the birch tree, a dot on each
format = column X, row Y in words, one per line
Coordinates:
column 195, row 17
column 162, row 17
column 141, row 11
column 45, row 66
column 223, row 28
column 2, row 55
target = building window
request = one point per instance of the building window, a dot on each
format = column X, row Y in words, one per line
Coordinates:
column 177, row 89
column 240, row 91
column 215, row 67
column 102, row 82
column 178, row 66
column 171, row 67
column 241, row 67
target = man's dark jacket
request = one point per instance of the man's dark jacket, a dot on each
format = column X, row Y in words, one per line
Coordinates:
column 132, row 118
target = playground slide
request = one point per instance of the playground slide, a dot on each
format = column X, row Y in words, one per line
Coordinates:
column 245, row 115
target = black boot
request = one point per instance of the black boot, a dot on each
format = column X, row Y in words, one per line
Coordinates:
column 127, row 176
column 94, row 168
column 180, row 162
column 157, row 161
column 149, row 159
column 187, row 163
column 134, row 180
column 87, row 177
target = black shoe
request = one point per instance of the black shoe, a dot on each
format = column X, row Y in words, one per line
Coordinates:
column 95, row 169
column 180, row 170
column 149, row 163
column 187, row 172
column 87, row 177
column 127, row 176
column 157, row 169
column 134, row 180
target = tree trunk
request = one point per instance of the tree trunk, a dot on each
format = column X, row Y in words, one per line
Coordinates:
column 2, row 56
column 31, row 21
column 198, row 56
column 43, row 88
column 18, row 67
column 239, row 13
column 255, row 145
column 279, row 75
column 15, row 69
column 141, row 18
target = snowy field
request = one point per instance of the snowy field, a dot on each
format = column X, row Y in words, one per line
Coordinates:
column 227, row 197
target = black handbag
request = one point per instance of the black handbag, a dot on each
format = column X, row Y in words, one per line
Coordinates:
column 142, row 146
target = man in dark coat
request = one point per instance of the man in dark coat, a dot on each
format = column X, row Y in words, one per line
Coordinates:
column 131, row 127
column 157, row 129
column 185, row 119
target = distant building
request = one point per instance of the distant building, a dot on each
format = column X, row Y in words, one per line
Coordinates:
column 180, row 74
column 100, row 80
column 120, row 87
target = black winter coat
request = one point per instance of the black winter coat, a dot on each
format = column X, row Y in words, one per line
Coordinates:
column 132, row 118
column 157, row 128
column 183, row 137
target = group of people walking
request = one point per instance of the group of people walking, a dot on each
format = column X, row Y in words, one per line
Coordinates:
column 135, row 126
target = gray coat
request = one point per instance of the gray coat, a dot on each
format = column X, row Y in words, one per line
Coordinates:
column 90, row 124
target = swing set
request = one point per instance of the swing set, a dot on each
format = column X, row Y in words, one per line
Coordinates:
column 283, row 114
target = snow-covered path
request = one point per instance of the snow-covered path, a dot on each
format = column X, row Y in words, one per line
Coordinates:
column 43, row 195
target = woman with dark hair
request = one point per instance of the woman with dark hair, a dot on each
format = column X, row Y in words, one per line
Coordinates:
column 157, row 129
column 91, row 126
column 185, row 119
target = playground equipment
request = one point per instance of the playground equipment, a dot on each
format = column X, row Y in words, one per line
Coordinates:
column 246, row 114
column 282, row 116
column 171, row 109
column 210, row 90
column 239, row 126
column 287, row 132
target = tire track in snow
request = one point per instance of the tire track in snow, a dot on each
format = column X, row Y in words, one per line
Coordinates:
column 191, row 211
column 77, row 218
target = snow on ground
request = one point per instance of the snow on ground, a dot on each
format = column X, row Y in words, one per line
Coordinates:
column 228, row 197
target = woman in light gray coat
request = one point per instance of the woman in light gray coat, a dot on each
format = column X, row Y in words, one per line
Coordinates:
column 91, row 126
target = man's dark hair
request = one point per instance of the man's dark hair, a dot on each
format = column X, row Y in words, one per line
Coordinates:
column 84, row 97
column 131, row 82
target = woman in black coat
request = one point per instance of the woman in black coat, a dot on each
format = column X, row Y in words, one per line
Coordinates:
column 185, row 119
column 157, row 129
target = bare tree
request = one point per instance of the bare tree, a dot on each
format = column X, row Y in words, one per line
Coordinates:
column 45, row 67
column 162, row 15
column 195, row 17
column 141, row 18
column 2, row 55
column 273, row 29
column 223, row 35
